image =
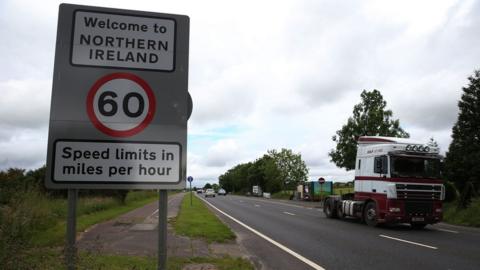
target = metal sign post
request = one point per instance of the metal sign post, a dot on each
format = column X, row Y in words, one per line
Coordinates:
column 71, row 249
column 162, row 229
column 190, row 179
column 321, row 181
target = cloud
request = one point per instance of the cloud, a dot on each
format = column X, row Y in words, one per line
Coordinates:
column 25, row 103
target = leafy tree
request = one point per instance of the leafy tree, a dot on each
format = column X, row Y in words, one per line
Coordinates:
column 463, row 156
column 292, row 169
column 432, row 142
column 207, row 185
column 370, row 118
column 215, row 187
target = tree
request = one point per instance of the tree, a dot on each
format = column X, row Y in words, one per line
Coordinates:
column 463, row 156
column 370, row 118
column 292, row 169
column 432, row 142
column 207, row 185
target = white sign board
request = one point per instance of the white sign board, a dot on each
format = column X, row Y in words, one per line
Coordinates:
column 120, row 103
column 111, row 40
column 116, row 162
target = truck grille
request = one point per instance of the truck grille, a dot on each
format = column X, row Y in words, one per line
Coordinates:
column 419, row 192
column 418, row 208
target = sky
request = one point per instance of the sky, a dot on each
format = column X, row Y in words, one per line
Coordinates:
column 266, row 74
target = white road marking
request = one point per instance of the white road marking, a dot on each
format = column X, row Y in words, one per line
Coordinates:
column 280, row 203
column 445, row 230
column 284, row 248
column 406, row 241
column 154, row 212
column 288, row 213
column 256, row 205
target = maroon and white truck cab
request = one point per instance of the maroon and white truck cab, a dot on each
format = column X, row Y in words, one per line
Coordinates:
column 396, row 181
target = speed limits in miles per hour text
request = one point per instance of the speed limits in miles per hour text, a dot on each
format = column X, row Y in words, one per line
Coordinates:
column 116, row 162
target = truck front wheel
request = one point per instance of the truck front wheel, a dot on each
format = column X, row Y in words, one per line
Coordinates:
column 370, row 214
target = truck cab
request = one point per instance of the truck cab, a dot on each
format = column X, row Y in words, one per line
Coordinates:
column 396, row 181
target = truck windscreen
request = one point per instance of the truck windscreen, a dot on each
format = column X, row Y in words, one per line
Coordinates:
column 415, row 167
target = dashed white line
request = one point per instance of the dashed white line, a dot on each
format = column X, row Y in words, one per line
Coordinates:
column 445, row 230
column 406, row 241
column 284, row 248
column 256, row 205
column 288, row 213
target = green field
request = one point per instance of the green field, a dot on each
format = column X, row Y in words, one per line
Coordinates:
column 342, row 190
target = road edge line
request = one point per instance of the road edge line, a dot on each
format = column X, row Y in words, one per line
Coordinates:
column 282, row 247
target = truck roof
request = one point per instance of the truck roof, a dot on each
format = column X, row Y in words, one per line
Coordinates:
column 385, row 140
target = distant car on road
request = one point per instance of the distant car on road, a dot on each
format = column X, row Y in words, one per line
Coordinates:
column 199, row 191
column 209, row 193
column 222, row 192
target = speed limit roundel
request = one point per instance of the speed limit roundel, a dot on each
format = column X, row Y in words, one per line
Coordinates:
column 120, row 104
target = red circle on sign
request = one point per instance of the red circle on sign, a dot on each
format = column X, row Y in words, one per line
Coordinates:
column 120, row 133
column 321, row 180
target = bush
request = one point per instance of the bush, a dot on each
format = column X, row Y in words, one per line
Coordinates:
column 451, row 192
column 466, row 217
column 26, row 213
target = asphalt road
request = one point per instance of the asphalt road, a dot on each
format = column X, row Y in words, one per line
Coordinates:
column 301, row 237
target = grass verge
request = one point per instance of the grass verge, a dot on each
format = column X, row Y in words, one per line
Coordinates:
column 464, row 217
column 91, row 211
column 282, row 195
column 197, row 221
column 49, row 258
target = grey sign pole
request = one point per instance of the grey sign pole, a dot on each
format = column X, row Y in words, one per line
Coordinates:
column 71, row 250
column 162, row 229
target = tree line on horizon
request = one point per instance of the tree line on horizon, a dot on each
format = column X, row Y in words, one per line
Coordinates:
column 273, row 172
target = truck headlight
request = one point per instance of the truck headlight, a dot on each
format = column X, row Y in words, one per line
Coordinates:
column 391, row 191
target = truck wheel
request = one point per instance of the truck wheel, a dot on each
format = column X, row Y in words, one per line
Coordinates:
column 340, row 213
column 418, row 226
column 370, row 214
column 328, row 209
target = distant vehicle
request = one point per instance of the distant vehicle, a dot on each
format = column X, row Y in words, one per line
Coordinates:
column 199, row 191
column 396, row 181
column 209, row 193
column 222, row 192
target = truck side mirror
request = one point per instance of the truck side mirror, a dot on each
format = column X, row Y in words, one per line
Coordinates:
column 378, row 165
column 384, row 165
column 381, row 165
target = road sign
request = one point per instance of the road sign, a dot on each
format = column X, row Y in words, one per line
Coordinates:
column 120, row 104
column 321, row 180
column 190, row 179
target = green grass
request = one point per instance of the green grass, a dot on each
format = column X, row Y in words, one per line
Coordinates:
column 464, row 217
column 90, row 211
column 282, row 195
column 49, row 258
column 197, row 221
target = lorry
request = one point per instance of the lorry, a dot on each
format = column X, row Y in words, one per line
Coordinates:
column 397, row 180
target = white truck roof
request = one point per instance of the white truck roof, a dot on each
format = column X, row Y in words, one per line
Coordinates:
column 385, row 140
